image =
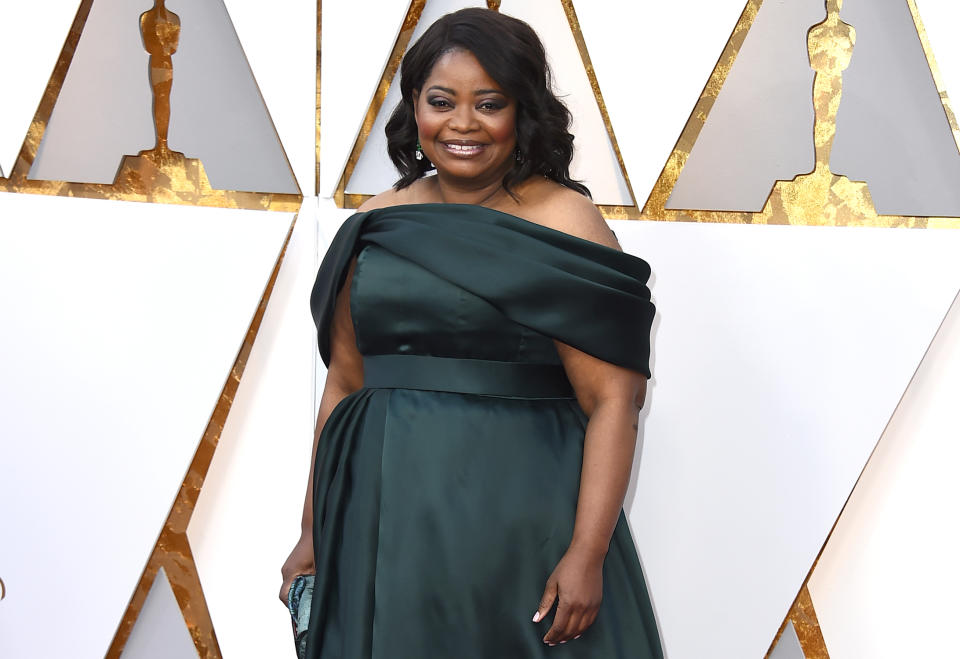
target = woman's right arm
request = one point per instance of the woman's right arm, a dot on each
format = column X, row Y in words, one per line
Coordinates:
column 344, row 376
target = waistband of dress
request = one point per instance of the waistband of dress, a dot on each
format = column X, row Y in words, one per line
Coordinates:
column 466, row 376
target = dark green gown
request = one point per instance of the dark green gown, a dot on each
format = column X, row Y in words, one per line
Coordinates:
column 446, row 488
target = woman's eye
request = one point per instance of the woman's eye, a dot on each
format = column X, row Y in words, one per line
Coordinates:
column 490, row 106
column 439, row 102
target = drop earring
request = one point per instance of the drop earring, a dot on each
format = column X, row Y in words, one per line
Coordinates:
column 419, row 152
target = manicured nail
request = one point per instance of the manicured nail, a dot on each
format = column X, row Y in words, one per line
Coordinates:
column 577, row 636
column 536, row 617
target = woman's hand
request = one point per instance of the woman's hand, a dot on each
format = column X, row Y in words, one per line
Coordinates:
column 300, row 561
column 577, row 582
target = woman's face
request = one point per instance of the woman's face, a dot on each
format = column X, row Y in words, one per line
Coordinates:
column 466, row 123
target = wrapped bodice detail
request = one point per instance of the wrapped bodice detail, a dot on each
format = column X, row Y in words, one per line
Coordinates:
column 449, row 322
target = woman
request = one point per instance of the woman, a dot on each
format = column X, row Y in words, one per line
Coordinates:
column 487, row 346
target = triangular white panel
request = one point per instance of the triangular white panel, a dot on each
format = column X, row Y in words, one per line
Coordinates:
column 651, row 61
column 594, row 162
column 885, row 586
column 648, row 81
column 160, row 631
column 356, row 41
column 121, row 324
column 374, row 172
column 892, row 131
column 779, row 355
column 281, row 48
column 760, row 128
column 267, row 438
column 103, row 109
column 31, row 37
column 216, row 111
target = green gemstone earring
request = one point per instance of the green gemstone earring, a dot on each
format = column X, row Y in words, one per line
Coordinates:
column 419, row 153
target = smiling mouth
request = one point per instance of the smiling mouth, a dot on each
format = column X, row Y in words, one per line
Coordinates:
column 463, row 149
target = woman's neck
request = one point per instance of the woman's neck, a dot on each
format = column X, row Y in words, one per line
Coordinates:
column 478, row 195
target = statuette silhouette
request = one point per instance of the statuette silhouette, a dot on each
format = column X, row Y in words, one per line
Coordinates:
column 822, row 197
column 161, row 173
column 160, row 29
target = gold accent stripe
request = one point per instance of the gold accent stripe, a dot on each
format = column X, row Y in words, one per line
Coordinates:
column 935, row 71
column 412, row 18
column 805, row 623
column 608, row 211
column 172, row 553
column 28, row 151
column 820, row 198
column 316, row 172
column 654, row 208
column 410, row 21
column 160, row 190
column 807, row 609
column 172, row 550
column 157, row 176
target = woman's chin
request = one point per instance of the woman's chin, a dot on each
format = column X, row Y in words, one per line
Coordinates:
column 467, row 169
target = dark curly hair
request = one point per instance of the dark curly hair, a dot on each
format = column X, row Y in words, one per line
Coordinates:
column 511, row 53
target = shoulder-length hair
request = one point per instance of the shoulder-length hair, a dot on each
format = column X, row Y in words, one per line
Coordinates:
column 511, row 53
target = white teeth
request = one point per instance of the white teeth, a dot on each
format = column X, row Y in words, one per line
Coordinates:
column 464, row 148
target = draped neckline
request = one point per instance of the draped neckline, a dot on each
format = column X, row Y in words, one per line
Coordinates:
column 533, row 227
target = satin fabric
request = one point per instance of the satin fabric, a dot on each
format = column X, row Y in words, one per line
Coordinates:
column 445, row 489
column 582, row 293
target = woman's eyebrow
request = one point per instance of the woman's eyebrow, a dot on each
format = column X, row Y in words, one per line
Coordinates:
column 478, row 92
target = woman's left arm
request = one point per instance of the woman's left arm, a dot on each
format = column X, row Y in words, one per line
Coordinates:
column 611, row 397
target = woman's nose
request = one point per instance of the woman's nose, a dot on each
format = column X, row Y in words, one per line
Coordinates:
column 463, row 119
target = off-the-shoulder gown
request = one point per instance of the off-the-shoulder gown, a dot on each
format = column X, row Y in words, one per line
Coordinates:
column 445, row 489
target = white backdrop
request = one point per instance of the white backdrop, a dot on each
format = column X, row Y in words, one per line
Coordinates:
column 121, row 324
column 780, row 352
column 780, row 355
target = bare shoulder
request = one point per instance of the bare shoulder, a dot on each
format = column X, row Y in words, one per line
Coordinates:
column 413, row 194
column 566, row 210
column 382, row 200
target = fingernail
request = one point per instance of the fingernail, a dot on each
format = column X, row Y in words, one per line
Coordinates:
column 577, row 636
column 536, row 617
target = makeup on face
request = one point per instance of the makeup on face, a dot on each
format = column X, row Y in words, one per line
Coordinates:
column 466, row 122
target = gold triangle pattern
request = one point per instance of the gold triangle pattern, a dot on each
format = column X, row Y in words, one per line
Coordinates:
column 160, row 175
column 802, row 612
column 172, row 550
column 157, row 175
column 410, row 21
column 805, row 623
column 816, row 198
